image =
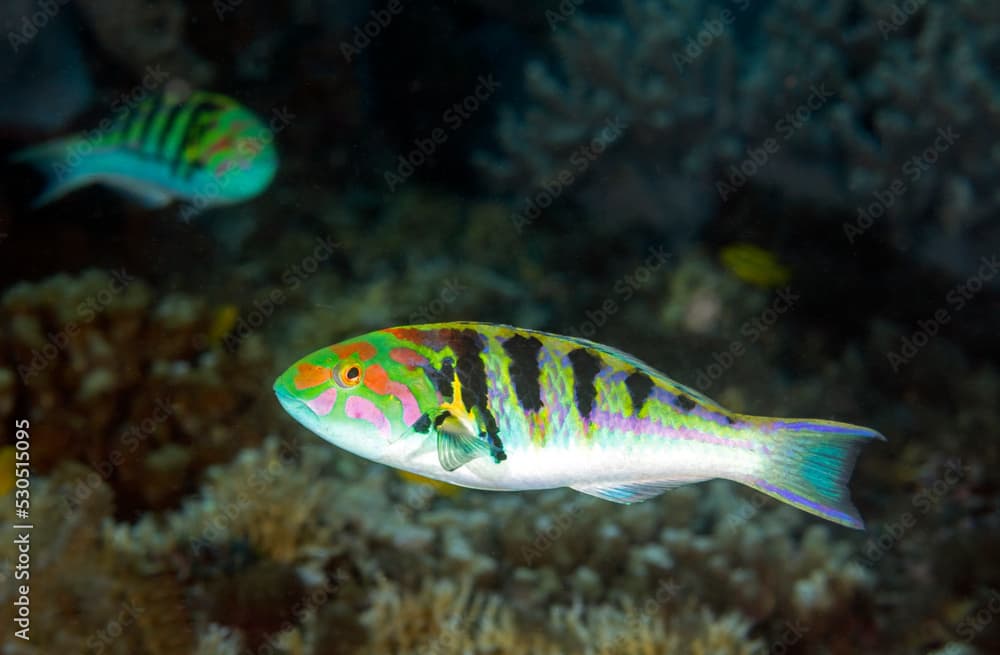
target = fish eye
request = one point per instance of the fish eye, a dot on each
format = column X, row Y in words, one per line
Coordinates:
column 349, row 375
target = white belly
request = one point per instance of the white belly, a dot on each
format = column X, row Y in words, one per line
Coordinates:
column 533, row 467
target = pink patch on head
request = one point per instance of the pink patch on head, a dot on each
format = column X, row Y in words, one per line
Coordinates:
column 365, row 410
column 411, row 411
column 323, row 403
column 378, row 381
column 407, row 357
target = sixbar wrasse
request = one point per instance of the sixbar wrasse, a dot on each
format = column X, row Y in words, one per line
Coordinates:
column 202, row 146
column 501, row 408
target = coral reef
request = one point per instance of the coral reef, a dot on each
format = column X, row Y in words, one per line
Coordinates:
column 447, row 617
column 628, row 95
column 304, row 549
column 702, row 300
column 924, row 168
column 130, row 385
column 831, row 105
column 339, row 293
column 361, row 527
column 93, row 599
column 294, row 546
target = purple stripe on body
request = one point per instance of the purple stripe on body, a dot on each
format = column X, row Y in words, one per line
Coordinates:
column 796, row 498
column 611, row 421
column 498, row 398
column 615, row 377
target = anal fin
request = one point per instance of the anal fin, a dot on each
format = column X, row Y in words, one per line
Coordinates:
column 629, row 492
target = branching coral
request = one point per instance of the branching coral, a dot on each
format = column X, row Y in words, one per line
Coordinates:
column 448, row 618
column 914, row 109
column 855, row 104
column 131, row 385
column 84, row 596
column 365, row 538
column 300, row 546
column 272, row 541
column 217, row 640
column 281, row 503
column 745, row 559
column 633, row 105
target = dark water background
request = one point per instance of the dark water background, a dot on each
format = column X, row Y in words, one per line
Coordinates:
column 578, row 167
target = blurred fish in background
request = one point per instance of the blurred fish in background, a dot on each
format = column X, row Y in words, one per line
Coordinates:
column 172, row 145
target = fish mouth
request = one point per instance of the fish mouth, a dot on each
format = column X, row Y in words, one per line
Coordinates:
column 285, row 397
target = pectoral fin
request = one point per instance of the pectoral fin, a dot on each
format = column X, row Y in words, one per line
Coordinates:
column 457, row 445
column 462, row 435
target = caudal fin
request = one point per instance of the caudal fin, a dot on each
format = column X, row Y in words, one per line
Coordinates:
column 810, row 464
column 57, row 162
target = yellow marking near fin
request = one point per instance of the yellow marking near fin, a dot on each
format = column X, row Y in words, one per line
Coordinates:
column 461, row 419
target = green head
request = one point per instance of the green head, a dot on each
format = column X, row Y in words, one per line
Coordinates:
column 363, row 394
column 231, row 148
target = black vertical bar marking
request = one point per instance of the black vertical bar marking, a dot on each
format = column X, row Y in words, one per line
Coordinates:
column 189, row 133
column 422, row 424
column 115, row 134
column 168, row 125
column 524, row 370
column 441, row 379
column 144, row 113
column 184, row 125
column 468, row 346
column 154, row 111
column 586, row 366
column 125, row 125
column 685, row 402
column 639, row 386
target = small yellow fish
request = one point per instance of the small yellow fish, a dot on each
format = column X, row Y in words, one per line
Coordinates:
column 222, row 324
column 754, row 265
